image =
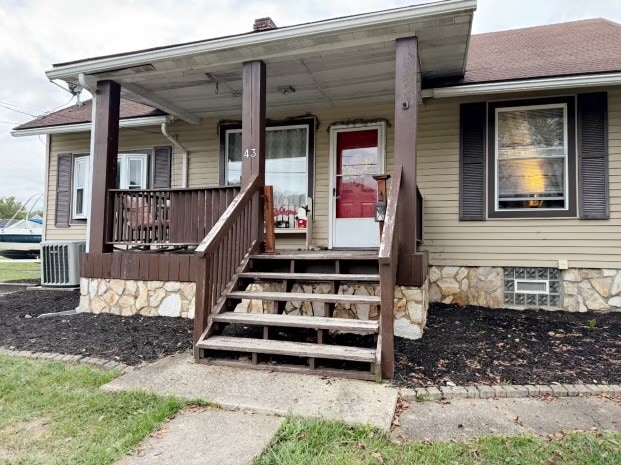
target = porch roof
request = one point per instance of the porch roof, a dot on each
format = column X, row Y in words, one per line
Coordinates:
column 336, row 61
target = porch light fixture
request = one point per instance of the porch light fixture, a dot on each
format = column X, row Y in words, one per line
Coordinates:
column 286, row 90
column 380, row 211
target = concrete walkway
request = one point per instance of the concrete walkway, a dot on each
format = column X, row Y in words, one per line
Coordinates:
column 272, row 393
column 207, row 437
column 254, row 402
column 462, row 418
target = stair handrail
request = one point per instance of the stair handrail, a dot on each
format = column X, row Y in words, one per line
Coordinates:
column 388, row 261
column 229, row 216
column 389, row 242
column 222, row 252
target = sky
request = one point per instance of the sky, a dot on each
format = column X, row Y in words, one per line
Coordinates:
column 36, row 34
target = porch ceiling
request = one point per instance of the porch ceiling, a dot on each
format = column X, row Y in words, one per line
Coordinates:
column 329, row 63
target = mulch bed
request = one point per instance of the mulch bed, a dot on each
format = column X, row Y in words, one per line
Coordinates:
column 462, row 345
column 474, row 345
column 131, row 340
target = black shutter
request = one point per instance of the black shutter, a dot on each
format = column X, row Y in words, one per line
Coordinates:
column 63, row 190
column 593, row 156
column 162, row 159
column 472, row 162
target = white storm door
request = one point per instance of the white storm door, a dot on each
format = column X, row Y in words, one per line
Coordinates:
column 357, row 155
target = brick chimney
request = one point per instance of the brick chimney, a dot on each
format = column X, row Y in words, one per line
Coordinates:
column 264, row 24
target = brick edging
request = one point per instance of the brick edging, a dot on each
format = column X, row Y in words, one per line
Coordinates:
column 511, row 391
column 77, row 359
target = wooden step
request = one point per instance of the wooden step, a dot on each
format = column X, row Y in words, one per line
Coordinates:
column 305, row 297
column 299, row 349
column 309, row 276
column 295, row 321
column 320, row 255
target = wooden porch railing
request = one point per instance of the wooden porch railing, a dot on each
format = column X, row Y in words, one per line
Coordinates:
column 388, row 258
column 223, row 251
column 178, row 217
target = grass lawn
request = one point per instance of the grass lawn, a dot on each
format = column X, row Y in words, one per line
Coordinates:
column 315, row 442
column 12, row 270
column 53, row 413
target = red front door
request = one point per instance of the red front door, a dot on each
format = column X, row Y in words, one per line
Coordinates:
column 357, row 159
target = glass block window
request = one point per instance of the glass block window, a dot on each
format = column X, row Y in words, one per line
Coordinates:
column 532, row 287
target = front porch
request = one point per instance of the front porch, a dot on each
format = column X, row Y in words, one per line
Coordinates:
column 224, row 237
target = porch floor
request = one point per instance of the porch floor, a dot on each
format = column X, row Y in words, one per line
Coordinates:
column 328, row 254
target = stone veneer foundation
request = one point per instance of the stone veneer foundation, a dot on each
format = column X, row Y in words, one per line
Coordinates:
column 157, row 298
column 128, row 297
column 581, row 289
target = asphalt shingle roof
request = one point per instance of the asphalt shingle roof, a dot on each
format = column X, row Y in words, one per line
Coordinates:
column 82, row 114
column 578, row 47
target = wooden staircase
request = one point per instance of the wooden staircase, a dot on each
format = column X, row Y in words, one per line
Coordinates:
column 318, row 343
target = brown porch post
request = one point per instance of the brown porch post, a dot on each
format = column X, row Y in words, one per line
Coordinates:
column 406, row 118
column 106, row 144
column 253, row 132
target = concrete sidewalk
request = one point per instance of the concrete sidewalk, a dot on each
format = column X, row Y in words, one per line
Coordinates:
column 463, row 418
column 207, row 437
column 253, row 403
column 272, row 393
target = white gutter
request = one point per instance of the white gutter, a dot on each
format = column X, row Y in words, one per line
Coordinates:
column 562, row 82
column 175, row 142
column 331, row 26
column 82, row 127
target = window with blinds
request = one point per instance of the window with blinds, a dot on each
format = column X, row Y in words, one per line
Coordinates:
column 531, row 157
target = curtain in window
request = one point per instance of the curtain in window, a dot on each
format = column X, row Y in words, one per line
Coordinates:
column 285, row 164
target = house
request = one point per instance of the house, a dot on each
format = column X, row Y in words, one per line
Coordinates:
column 503, row 151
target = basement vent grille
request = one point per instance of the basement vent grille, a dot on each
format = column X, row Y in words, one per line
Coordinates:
column 532, row 287
column 60, row 263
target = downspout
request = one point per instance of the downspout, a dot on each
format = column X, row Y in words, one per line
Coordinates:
column 93, row 90
column 184, row 163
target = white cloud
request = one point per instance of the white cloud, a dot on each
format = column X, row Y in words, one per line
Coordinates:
column 36, row 34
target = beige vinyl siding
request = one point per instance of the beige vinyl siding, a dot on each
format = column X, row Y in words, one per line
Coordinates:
column 507, row 242
column 496, row 242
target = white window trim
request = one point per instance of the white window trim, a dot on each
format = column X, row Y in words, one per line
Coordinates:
column 270, row 128
column 565, row 150
column 84, row 161
column 124, row 159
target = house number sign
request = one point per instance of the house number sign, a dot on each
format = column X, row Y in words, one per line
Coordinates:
column 250, row 153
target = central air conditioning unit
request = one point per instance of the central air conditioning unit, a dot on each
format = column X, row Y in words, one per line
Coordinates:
column 60, row 263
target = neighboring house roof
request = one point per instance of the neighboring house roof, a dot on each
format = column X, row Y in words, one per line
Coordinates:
column 82, row 114
column 578, row 47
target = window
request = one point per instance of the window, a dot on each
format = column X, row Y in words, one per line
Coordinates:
column 532, row 158
column 132, row 173
column 132, row 170
column 561, row 141
column 80, row 176
column 287, row 163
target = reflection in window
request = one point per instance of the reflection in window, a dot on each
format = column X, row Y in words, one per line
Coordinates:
column 531, row 157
